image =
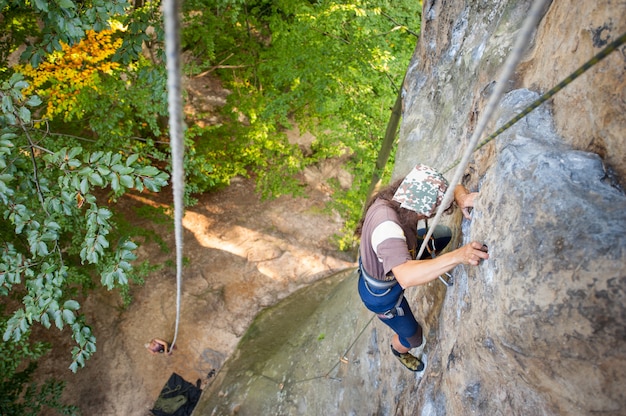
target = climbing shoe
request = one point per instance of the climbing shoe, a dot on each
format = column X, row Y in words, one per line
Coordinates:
column 409, row 360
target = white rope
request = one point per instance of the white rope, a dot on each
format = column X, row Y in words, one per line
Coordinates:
column 172, row 52
column 514, row 57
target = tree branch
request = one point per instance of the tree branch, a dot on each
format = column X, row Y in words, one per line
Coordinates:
column 399, row 24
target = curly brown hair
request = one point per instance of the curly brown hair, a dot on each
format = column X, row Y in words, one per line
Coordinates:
column 406, row 216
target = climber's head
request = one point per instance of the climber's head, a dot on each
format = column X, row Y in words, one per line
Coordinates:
column 422, row 191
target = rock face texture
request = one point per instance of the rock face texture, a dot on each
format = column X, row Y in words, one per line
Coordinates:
column 539, row 328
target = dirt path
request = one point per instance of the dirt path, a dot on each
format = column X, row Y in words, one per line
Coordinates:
column 244, row 254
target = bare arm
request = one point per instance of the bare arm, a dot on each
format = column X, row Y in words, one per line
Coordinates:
column 163, row 344
column 155, row 346
column 464, row 199
column 419, row 272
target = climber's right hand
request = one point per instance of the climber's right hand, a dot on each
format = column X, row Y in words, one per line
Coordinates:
column 473, row 253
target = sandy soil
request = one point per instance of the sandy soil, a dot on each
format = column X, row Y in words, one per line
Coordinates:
column 243, row 254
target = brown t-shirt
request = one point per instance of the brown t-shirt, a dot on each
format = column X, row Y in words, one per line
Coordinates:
column 384, row 243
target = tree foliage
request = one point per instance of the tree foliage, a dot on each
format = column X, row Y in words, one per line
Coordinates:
column 94, row 96
column 49, row 203
column 79, row 126
column 66, row 73
column 43, row 25
column 331, row 67
column 19, row 395
column 83, row 120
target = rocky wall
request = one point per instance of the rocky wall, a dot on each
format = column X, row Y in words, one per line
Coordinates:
column 538, row 329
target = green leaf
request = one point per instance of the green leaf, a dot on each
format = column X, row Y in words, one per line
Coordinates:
column 33, row 101
column 67, row 4
column 107, row 280
column 90, row 347
column 24, row 325
column 80, row 359
column 24, row 114
column 147, row 171
column 68, row 316
column 127, row 181
column 96, row 179
column 58, row 319
column 151, row 185
column 20, row 85
column 102, row 241
column 45, row 320
column 132, row 159
column 7, row 104
column 115, row 183
column 87, row 170
column 11, row 120
column 128, row 255
column 129, row 245
column 53, row 225
column 42, row 249
column 121, row 169
column 125, row 266
column 74, row 151
column 103, row 215
column 121, row 276
column 71, row 305
column 78, row 336
column 103, row 170
column 49, row 236
column 95, row 157
column 84, row 186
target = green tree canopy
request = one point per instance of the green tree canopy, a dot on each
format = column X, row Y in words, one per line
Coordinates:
column 332, row 67
column 69, row 142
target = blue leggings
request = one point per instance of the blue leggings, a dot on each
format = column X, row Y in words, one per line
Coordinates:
column 406, row 326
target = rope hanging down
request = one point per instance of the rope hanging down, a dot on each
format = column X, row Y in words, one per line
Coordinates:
column 172, row 53
column 516, row 54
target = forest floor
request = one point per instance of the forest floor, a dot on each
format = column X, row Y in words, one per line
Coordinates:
column 242, row 254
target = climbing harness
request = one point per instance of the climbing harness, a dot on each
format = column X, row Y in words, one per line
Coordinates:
column 376, row 283
column 387, row 285
column 172, row 52
column 395, row 311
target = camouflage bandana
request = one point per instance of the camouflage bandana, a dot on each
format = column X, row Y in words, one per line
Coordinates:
column 422, row 190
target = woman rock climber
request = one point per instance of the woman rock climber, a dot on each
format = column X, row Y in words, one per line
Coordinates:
column 389, row 244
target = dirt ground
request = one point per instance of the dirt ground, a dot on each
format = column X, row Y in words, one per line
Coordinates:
column 243, row 254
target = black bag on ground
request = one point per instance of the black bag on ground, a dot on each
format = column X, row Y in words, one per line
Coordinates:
column 178, row 398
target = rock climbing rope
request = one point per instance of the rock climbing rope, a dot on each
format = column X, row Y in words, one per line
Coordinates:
column 172, row 52
column 516, row 54
column 545, row 97
column 523, row 40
